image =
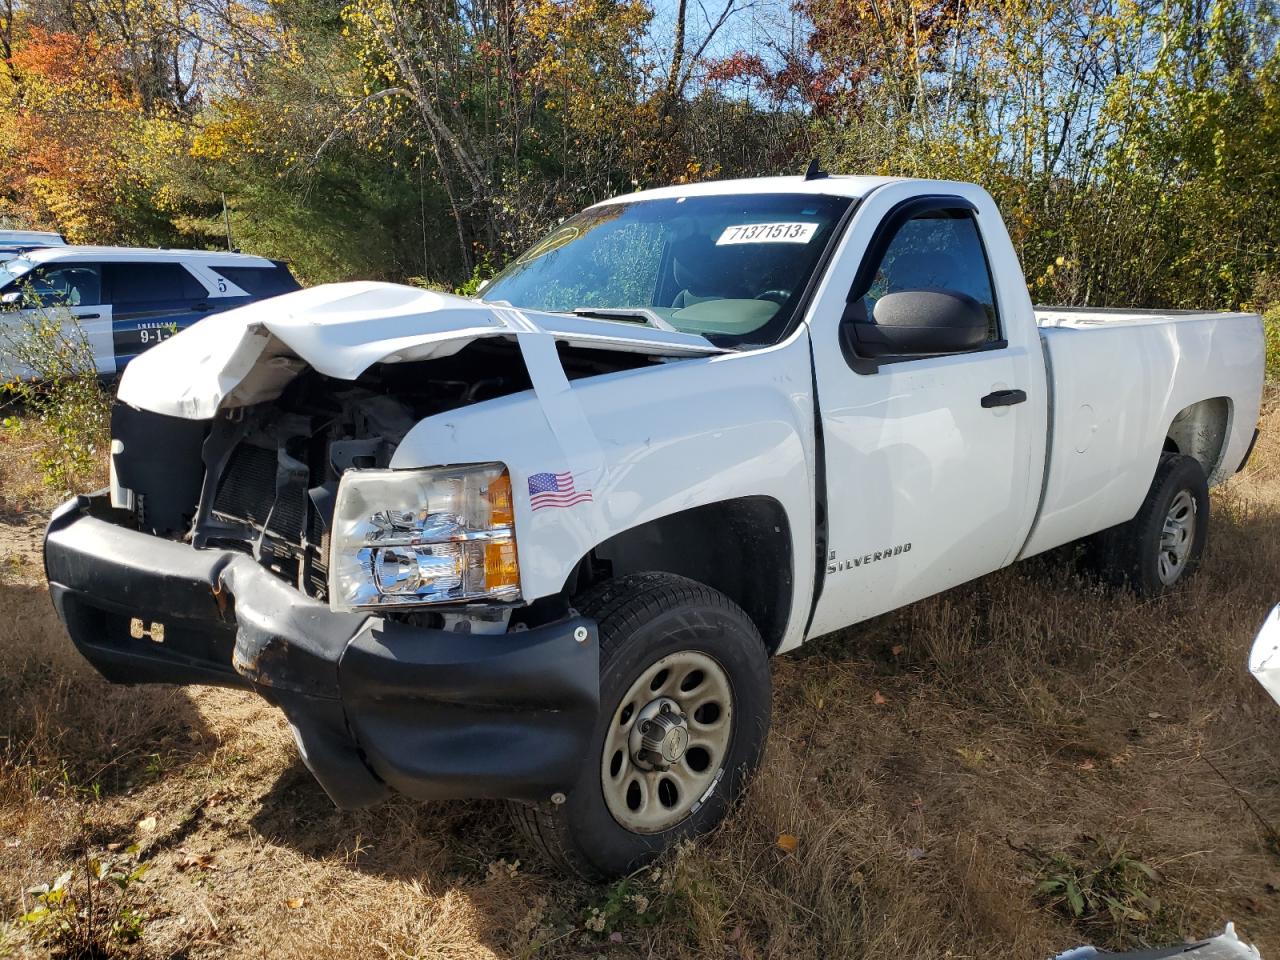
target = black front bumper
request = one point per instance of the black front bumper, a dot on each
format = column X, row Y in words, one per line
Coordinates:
column 374, row 704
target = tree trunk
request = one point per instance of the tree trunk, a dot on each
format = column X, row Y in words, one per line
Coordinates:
column 677, row 60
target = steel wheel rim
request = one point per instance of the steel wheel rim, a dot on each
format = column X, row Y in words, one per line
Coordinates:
column 653, row 800
column 1177, row 537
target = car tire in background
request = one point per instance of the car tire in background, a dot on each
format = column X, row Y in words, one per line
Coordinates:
column 1162, row 545
column 685, row 701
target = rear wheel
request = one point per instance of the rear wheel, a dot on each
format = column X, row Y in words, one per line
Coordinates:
column 1161, row 546
column 684, row 711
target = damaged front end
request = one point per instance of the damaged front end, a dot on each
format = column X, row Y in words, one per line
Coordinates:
column 263, row 479
column 211, row 567
column 208, row 562
column 375, row 703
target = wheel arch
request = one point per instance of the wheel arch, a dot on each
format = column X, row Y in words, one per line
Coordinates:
column 1201, row 430
column 740, row 547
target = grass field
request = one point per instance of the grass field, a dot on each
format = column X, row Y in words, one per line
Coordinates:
column 944, row 781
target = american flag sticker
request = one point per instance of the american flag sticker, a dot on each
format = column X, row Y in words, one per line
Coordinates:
column 555, row 490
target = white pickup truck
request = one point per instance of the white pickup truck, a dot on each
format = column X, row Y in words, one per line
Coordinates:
column 540, row 545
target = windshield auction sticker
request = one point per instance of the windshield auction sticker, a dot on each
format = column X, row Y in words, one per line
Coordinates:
column 768, row 233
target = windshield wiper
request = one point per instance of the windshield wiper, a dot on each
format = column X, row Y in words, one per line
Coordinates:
column 626, row 313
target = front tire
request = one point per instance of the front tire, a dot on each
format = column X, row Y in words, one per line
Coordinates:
column 1161, row 546
column 684, row 711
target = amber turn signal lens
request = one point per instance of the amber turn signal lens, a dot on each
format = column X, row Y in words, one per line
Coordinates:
column 500, row 509
column 500, row 567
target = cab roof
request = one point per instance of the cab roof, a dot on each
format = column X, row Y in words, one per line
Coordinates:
column 143, row 255
column 831, row 185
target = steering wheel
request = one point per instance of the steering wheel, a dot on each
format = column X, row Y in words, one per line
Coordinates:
column 777, row 296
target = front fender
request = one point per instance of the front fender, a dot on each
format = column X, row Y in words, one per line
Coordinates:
column 638, row 445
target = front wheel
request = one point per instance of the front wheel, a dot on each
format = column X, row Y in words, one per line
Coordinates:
column 1161, row 546
column 684, row 711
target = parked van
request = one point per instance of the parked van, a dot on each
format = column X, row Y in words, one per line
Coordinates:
column 129, row 299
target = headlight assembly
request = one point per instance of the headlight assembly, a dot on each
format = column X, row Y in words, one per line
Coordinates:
column 405, row 537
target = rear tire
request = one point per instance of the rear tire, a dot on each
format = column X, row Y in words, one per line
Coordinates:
column 1161, row 546
column 684, row 665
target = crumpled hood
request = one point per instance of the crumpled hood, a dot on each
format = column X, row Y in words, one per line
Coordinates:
column 247, row 355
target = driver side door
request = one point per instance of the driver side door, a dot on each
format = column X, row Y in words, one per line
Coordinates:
column 69, row 293
column 927, row 457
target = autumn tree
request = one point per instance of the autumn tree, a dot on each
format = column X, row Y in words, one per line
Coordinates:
column 65, row 115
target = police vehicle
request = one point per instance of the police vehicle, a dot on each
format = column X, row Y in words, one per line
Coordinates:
column 129, row 299
column 14, row 242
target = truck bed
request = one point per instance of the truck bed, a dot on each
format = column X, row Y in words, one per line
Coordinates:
column 1084, row 317
column 1127, row 385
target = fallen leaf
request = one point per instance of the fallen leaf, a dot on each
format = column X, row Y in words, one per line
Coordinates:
column 147, row 824
column 879, row 699
column 821, row 703
column 1085, row 764
column 897, row 649
column 787, row 842
column 294, row 903
column 113, row 847
column 198, row 861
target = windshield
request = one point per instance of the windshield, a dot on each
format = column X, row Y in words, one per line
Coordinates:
column 10, row 270
column 732, row 268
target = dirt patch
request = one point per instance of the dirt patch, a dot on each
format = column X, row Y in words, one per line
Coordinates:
column 20, row 537
column 930, row 765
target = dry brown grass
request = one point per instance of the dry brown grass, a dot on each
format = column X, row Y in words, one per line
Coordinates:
column 927, row 762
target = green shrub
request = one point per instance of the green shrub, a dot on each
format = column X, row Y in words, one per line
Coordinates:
column 485, row 269
column 51, row 384
column 1271, row 336
column 1102, row 889
column 94, row 914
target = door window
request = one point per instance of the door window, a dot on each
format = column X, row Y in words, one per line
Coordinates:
column 260, row 281
column 65, row 285
column 138, row 283
column 938, row 250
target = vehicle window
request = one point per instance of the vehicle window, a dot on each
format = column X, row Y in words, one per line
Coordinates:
column 11, row 270
column 64, row 285
column 732, row 268
column 151, row 283
column 940, row 250
column 614, row 265
column 260, row 281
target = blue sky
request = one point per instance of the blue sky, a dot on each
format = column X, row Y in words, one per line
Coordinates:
column 751, row 27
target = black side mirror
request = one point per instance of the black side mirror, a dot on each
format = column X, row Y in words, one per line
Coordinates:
column 915, row 323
